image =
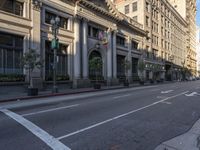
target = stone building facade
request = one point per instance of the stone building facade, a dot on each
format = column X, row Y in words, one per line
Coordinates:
column 187, row 9
column 26, row 25
column 167, row 32
column 198, row 50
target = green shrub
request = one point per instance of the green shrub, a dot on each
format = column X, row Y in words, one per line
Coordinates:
column 93, row 77
column 12, row 78
column 58, row 78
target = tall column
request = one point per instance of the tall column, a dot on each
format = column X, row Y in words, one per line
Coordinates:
column 109, row 58
column 114, row 56
column 76, row 53
column 129, row 58
column 85, row 50
column 36, row 33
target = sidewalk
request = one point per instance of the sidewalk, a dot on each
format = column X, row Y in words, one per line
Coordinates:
column 13, row 93
column 187, row 141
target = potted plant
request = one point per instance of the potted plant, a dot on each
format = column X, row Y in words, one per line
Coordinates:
column 141, row 68
column 96, row 64
column 31, row 61
column 155, row 69
column 127, row 66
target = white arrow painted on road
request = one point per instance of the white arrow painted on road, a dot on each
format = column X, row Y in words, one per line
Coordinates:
column 165, row 92
column 192, row 94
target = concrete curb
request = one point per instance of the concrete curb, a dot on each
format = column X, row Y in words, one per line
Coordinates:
column 60, row 94
column 74, row 92
column 188, row 141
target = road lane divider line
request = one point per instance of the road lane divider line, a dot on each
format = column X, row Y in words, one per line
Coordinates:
column 165, row 92
column 117, row 97
column 165, row 102
column 37, row 131
column 117, row 117
column 49, row 110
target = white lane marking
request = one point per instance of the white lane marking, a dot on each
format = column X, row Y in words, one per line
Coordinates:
column 49, row 110
column 43, row 135
column 161, row 97
column 165, row 92
column 117, row 117
column 169, row 103
column 117, row 97
column 192, row 94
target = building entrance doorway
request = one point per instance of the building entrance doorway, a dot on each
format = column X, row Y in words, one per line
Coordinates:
column 92, row 72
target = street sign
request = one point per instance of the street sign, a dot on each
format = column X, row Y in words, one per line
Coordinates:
column 55, row 44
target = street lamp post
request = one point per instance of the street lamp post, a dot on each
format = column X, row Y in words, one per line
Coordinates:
column 55, row 45
column 172, row 67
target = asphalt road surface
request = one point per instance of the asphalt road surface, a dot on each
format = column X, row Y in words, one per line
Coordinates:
column 126, row 119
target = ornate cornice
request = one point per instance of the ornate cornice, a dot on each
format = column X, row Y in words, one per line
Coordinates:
column 99, row 9
column 37, row 4
column 112, row 13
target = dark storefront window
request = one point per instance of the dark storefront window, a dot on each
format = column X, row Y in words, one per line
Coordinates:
column 135, row 69
column 95, row 74
column 49, row 16
column 11, row 51
column 134, row 45
column 120, row 66
column 62, row 62
column 121, row 41
column 94, row 32
column 134, row 65
column 12, row 6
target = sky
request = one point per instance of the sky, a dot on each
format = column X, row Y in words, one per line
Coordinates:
column 198, row 13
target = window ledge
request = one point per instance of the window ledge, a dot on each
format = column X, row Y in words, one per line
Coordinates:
column 13, row 15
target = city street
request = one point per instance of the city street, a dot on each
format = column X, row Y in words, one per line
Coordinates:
column 138, row 118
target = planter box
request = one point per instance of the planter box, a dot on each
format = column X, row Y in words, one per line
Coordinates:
column 126, row 83
column 97, row 86
column 141, row 82
column 32, row 91
column 151, row 81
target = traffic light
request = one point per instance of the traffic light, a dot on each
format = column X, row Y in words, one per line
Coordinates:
column 55, row 44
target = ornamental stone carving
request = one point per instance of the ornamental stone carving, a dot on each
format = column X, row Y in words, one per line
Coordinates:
column 37, row 4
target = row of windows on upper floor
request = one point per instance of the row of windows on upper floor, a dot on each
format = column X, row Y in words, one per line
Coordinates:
column 127, row 8
column 165, row 44
column 16, row 7
column 11, row 41
column 154, row 5
column 96, row 33
column 165, row 11
column 12, row 6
